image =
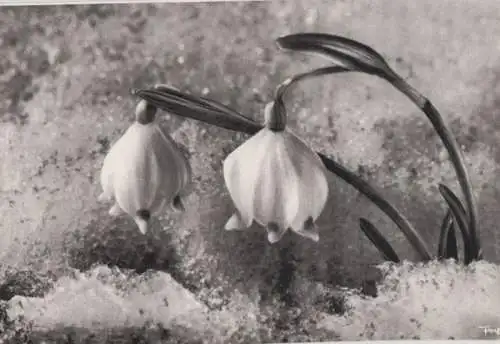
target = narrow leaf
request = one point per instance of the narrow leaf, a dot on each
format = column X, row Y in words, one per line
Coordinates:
column 199, row 109
column 447, row 247
column 457, row 160
column 459, row 219
column 395, row 215
column 339, row 58
column 451, row 244
column 364, row 58
column 480, row 255
column 378, row 240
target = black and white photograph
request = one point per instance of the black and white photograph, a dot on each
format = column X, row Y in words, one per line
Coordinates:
column 310, row 171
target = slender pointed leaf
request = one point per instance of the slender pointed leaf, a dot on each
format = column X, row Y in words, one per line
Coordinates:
column 395, row 215
column 457, row 160
column 199, row 109
column 361, row 56
column 374, row 235
column 480, row 255
column 339, row 58
column 460, row 219
column 451, row 244
column 447, row 247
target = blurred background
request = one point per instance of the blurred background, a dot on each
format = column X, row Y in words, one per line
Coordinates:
column 65, row 76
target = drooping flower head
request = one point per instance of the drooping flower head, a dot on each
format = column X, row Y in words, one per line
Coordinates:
column 144, row 171
column 276, row 180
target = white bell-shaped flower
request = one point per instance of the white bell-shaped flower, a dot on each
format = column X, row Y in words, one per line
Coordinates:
column 144, row 171
column 276, row 180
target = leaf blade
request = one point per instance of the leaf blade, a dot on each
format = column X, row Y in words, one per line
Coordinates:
column 362, row 56
column 378, row 240
column 447, row 247
column 199, row 109
column 460, row 219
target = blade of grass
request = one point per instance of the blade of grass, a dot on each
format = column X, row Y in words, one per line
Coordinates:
column 350, row 52
column 446, row 227
column 460, row 219
column 395, row 215
column 447, row 247
column 374, row 235
column 451, row 244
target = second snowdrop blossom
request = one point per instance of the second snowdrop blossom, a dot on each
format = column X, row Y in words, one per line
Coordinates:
column 276, row 180
column 144, row 171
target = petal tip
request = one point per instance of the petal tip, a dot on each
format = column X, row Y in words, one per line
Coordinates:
column 115, row 210
column 178, row 205
column 273, row 238
column 309, row 230
column 103, row 197
column 234, row 223
column 274, row 232
column 142, row 225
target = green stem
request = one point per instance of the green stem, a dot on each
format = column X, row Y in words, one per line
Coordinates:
column 454, row 152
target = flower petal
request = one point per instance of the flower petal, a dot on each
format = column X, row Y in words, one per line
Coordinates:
column 235, row 222
column 241, row 170
column 115, row 210
column 292, row 181
column 104, row 197
column 314, row 184
column 117, row 150
column 137, row 176
column 142, row 224
column 270, row 189
column 308, row 230
column 182, row 170
column 274, row 232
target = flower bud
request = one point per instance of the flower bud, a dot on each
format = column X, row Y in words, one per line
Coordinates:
column 276, row 180
column 144, row 171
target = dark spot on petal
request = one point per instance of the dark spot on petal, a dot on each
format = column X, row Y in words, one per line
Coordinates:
column 273, row 227
column 309, row 224
column 144, row 214
column 177, row 203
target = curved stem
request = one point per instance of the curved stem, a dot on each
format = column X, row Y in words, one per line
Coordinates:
column 369, row 192
column 453, row 149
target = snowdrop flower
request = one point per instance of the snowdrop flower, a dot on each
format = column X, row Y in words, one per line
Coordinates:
column 144, row 171
column 276, row 180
